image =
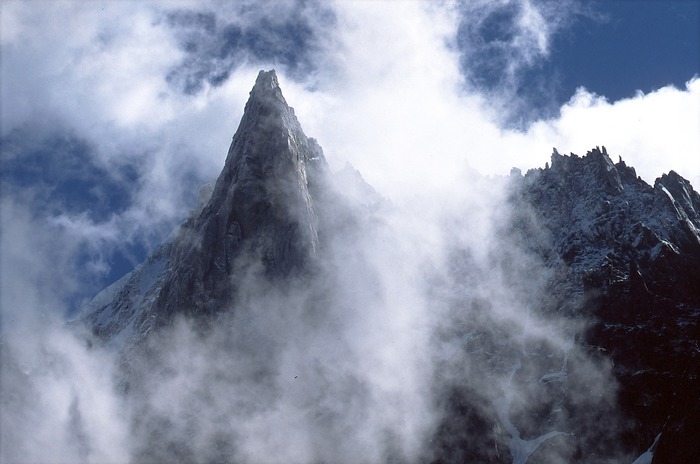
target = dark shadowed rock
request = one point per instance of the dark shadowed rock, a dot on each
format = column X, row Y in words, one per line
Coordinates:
column 262, row 210
column 631, row 250
column 261, row 217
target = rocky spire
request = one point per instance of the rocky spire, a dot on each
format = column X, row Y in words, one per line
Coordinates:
column 262, row 212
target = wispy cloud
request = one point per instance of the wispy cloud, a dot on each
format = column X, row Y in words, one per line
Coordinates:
column 218, row 39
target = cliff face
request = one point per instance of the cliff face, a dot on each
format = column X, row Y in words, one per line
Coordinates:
column 262, row 213
column 262, row 209
column 632, row 251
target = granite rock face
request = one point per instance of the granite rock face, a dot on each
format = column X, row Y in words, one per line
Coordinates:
column 632, row 251
column 262, row 208
column 262, row 213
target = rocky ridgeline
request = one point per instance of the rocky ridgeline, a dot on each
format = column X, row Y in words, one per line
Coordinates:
column 594, row 208
column 632, row 253
column 262, row 211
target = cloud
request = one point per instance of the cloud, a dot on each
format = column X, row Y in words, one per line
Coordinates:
column 402, row 116
column 217, row 41
column 58, row 402
column 653, row 132
column 37, row 269
column 506, row 52
column 498, row 40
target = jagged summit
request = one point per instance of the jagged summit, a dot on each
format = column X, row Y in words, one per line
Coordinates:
column 262, row 207
column 597, row 205
column 267, row 87
column 631, row 253
column 596, row 162
column 584, row 239
column 262, row 214
column 266, row 80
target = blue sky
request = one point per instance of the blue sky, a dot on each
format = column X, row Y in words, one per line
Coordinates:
column 612, row 48
column 629, row 46
column 114, row 113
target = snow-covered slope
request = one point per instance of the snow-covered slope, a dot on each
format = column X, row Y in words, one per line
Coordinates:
column 117, row 313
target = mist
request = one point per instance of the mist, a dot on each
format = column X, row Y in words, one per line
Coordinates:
column 412, row 310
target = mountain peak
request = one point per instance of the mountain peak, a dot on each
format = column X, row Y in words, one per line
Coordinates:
column 266, row 83
column 267, row 91
column 262, row 204
column 595, row 167
column 261, row 217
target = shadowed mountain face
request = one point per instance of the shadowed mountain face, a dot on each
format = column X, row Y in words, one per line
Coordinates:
column 263, row 205
column 641, row 278
column 331, row 326
column 262, row 213
column 633, row 252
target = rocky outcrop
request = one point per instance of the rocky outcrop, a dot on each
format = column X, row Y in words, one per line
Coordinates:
column 261, row 217
column 262, row 209
column 631, row 252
